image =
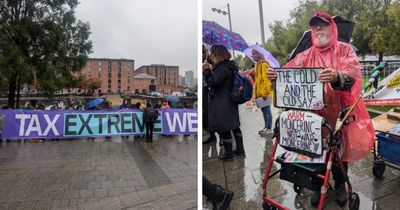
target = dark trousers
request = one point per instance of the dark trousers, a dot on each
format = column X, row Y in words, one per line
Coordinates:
column 208, row 188
column 338, row 177
column 337, row 174
column 149, row 130
column 205, row 108
column 226, row 136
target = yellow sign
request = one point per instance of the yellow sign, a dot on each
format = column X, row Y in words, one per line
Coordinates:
column 395, row 82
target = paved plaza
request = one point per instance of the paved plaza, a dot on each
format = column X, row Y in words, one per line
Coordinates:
column 99, row 174
column 244, row 176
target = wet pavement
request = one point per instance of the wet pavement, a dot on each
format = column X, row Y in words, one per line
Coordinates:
column 244, row 176
column 99, row 174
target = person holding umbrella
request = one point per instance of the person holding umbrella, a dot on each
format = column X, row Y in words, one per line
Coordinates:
column 262, row 85
column 223, row 112
column 343, row 83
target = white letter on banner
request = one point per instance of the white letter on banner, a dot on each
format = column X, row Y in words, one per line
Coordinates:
column 22, row 117
column 51, row 124
column 31, row 128
column 191, row 121
column 182, row 125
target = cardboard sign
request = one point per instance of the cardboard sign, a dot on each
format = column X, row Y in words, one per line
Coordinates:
column 301, row 131
column 299, row 88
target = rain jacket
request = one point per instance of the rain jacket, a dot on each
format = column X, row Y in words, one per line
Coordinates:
column 357, row 137
column 262, row 85
column 223, row 114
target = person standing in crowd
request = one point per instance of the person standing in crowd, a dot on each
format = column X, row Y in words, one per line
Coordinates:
column 212, row 137
column 219, row 197
column 150, row 115
column 124, row 105
column 343, row 84
column 158, row 105
column 223, row 113
column 108, row 107
column 263, row 91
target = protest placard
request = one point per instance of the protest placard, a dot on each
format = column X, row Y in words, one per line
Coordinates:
column 301, row 131
column 299, row 88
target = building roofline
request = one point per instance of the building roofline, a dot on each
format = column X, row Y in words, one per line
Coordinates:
column 112, row 59
column 157, row 65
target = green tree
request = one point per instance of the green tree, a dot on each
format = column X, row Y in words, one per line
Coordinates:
column 376, row 30
column 41, row 41
column 244, row 62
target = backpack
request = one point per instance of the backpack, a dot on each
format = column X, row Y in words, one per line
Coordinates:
column 152, row 115
column 242, row 89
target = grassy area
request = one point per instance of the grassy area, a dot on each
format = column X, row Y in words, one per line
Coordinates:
column 381, row 108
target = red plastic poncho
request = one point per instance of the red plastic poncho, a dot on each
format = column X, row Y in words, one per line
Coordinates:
column 358, row 136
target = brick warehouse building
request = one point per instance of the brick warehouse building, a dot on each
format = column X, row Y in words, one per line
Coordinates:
column 167, row 77
column 119, row 75
column 115, row 75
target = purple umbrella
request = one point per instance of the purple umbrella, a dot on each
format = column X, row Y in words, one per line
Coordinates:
column 267, row 55
column 214, row 34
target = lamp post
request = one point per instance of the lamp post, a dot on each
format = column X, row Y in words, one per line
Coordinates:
column 230, row 22
column 261, row 21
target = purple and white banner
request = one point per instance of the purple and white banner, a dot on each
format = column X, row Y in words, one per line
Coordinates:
column 31, row 124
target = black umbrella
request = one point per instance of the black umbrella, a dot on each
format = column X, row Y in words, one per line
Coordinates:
column 345, row 29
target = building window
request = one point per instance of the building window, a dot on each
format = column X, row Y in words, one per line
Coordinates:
column 109, row 91
column 99, row 63
column 152, row 82
column 109, row 86
column 109, row 64
column 109, row 81
column 119, row 75
column 99, row 75
column 129, row 87
column 109, row 69
column 109, row 75
column 119, row 81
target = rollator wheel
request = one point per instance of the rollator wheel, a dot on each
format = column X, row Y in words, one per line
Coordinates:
column 297, row 188
column 379, row 168
column 354, row 203
column 266, row 206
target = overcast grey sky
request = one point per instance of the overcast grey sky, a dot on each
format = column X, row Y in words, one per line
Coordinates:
column 245, row 15
column 148, row 31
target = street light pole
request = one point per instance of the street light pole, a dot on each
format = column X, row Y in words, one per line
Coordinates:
column 230, row 27
column 230, row 21
column 261, row 21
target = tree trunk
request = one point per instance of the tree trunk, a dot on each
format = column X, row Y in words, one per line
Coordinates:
column 12, row 86
column 380, row 58
column 18, row 90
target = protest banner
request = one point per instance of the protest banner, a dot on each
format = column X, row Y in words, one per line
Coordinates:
column 30, row 124
column 301, row 131
column 298, row 88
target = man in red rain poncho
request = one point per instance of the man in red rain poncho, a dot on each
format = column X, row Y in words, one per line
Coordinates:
column 342, row 75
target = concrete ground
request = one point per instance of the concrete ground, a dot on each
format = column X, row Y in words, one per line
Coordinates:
column 244, row 176
column 99, row 174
